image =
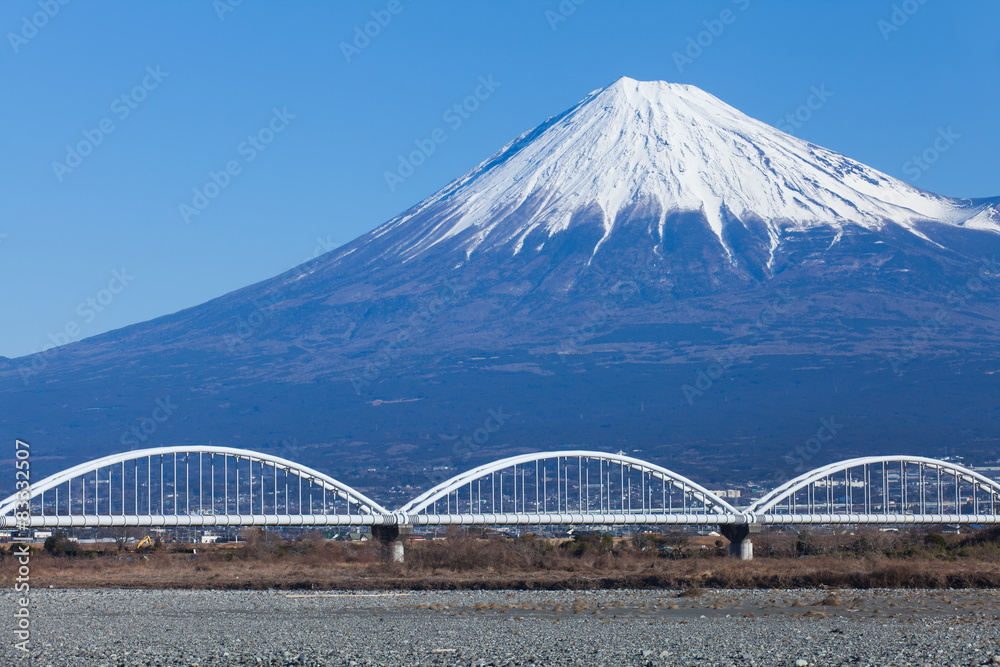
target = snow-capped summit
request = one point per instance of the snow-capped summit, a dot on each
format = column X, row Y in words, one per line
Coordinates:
column 667, row 148
column 651, row 266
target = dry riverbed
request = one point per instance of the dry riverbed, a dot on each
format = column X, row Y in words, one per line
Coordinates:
column 620, row 627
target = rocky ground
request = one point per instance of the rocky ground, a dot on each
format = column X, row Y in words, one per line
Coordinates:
column 763, row 627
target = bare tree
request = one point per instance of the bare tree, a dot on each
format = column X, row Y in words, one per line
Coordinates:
column 259, row 543
column 121, row 535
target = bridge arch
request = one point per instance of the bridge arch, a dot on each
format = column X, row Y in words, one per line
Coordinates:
column 886, row 486
column 560, row 482
column 149, row 483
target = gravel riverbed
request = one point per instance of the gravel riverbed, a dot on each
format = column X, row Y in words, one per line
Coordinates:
column 762, row 627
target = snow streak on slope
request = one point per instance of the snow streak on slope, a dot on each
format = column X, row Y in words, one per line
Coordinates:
column 679, row 149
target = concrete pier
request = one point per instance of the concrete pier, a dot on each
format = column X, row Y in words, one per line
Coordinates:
column 392, row 538
column 739, row 536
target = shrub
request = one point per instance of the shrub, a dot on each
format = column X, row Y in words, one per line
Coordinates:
column 804, row 544
column 585, row 542
column 58, row 544
column 260, row 544
column 936, row 541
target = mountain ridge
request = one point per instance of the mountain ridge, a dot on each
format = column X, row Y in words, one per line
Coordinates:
column 555, row 290
column 599, row 127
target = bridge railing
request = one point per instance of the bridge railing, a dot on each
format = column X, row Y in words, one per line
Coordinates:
column 191, row 486
column 219, row 486
column 888, row 486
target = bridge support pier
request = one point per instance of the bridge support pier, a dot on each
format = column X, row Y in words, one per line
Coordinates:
column 739, row 536
column 392, row 538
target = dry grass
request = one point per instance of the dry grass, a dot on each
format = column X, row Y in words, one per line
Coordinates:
column 496, row 563
column 832, row 600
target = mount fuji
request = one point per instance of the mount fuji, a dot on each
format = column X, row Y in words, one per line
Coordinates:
column 650, row 270
column 655, row 150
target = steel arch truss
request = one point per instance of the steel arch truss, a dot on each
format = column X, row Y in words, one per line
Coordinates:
column 577, row 487
column 192, row 486
column 883, row 490
column 221, row 486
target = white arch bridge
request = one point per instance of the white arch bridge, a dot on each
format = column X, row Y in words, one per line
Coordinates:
column 221, row 486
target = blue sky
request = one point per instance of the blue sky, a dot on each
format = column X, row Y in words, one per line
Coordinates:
column 200, row 77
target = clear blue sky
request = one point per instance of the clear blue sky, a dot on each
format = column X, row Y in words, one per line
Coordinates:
column 323, row 176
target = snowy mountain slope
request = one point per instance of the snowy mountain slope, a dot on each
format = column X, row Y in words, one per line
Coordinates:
column 655, row 185
column 580, row 278
column 673, row 148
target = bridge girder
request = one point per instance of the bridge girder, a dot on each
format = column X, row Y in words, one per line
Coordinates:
column 717, row 511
